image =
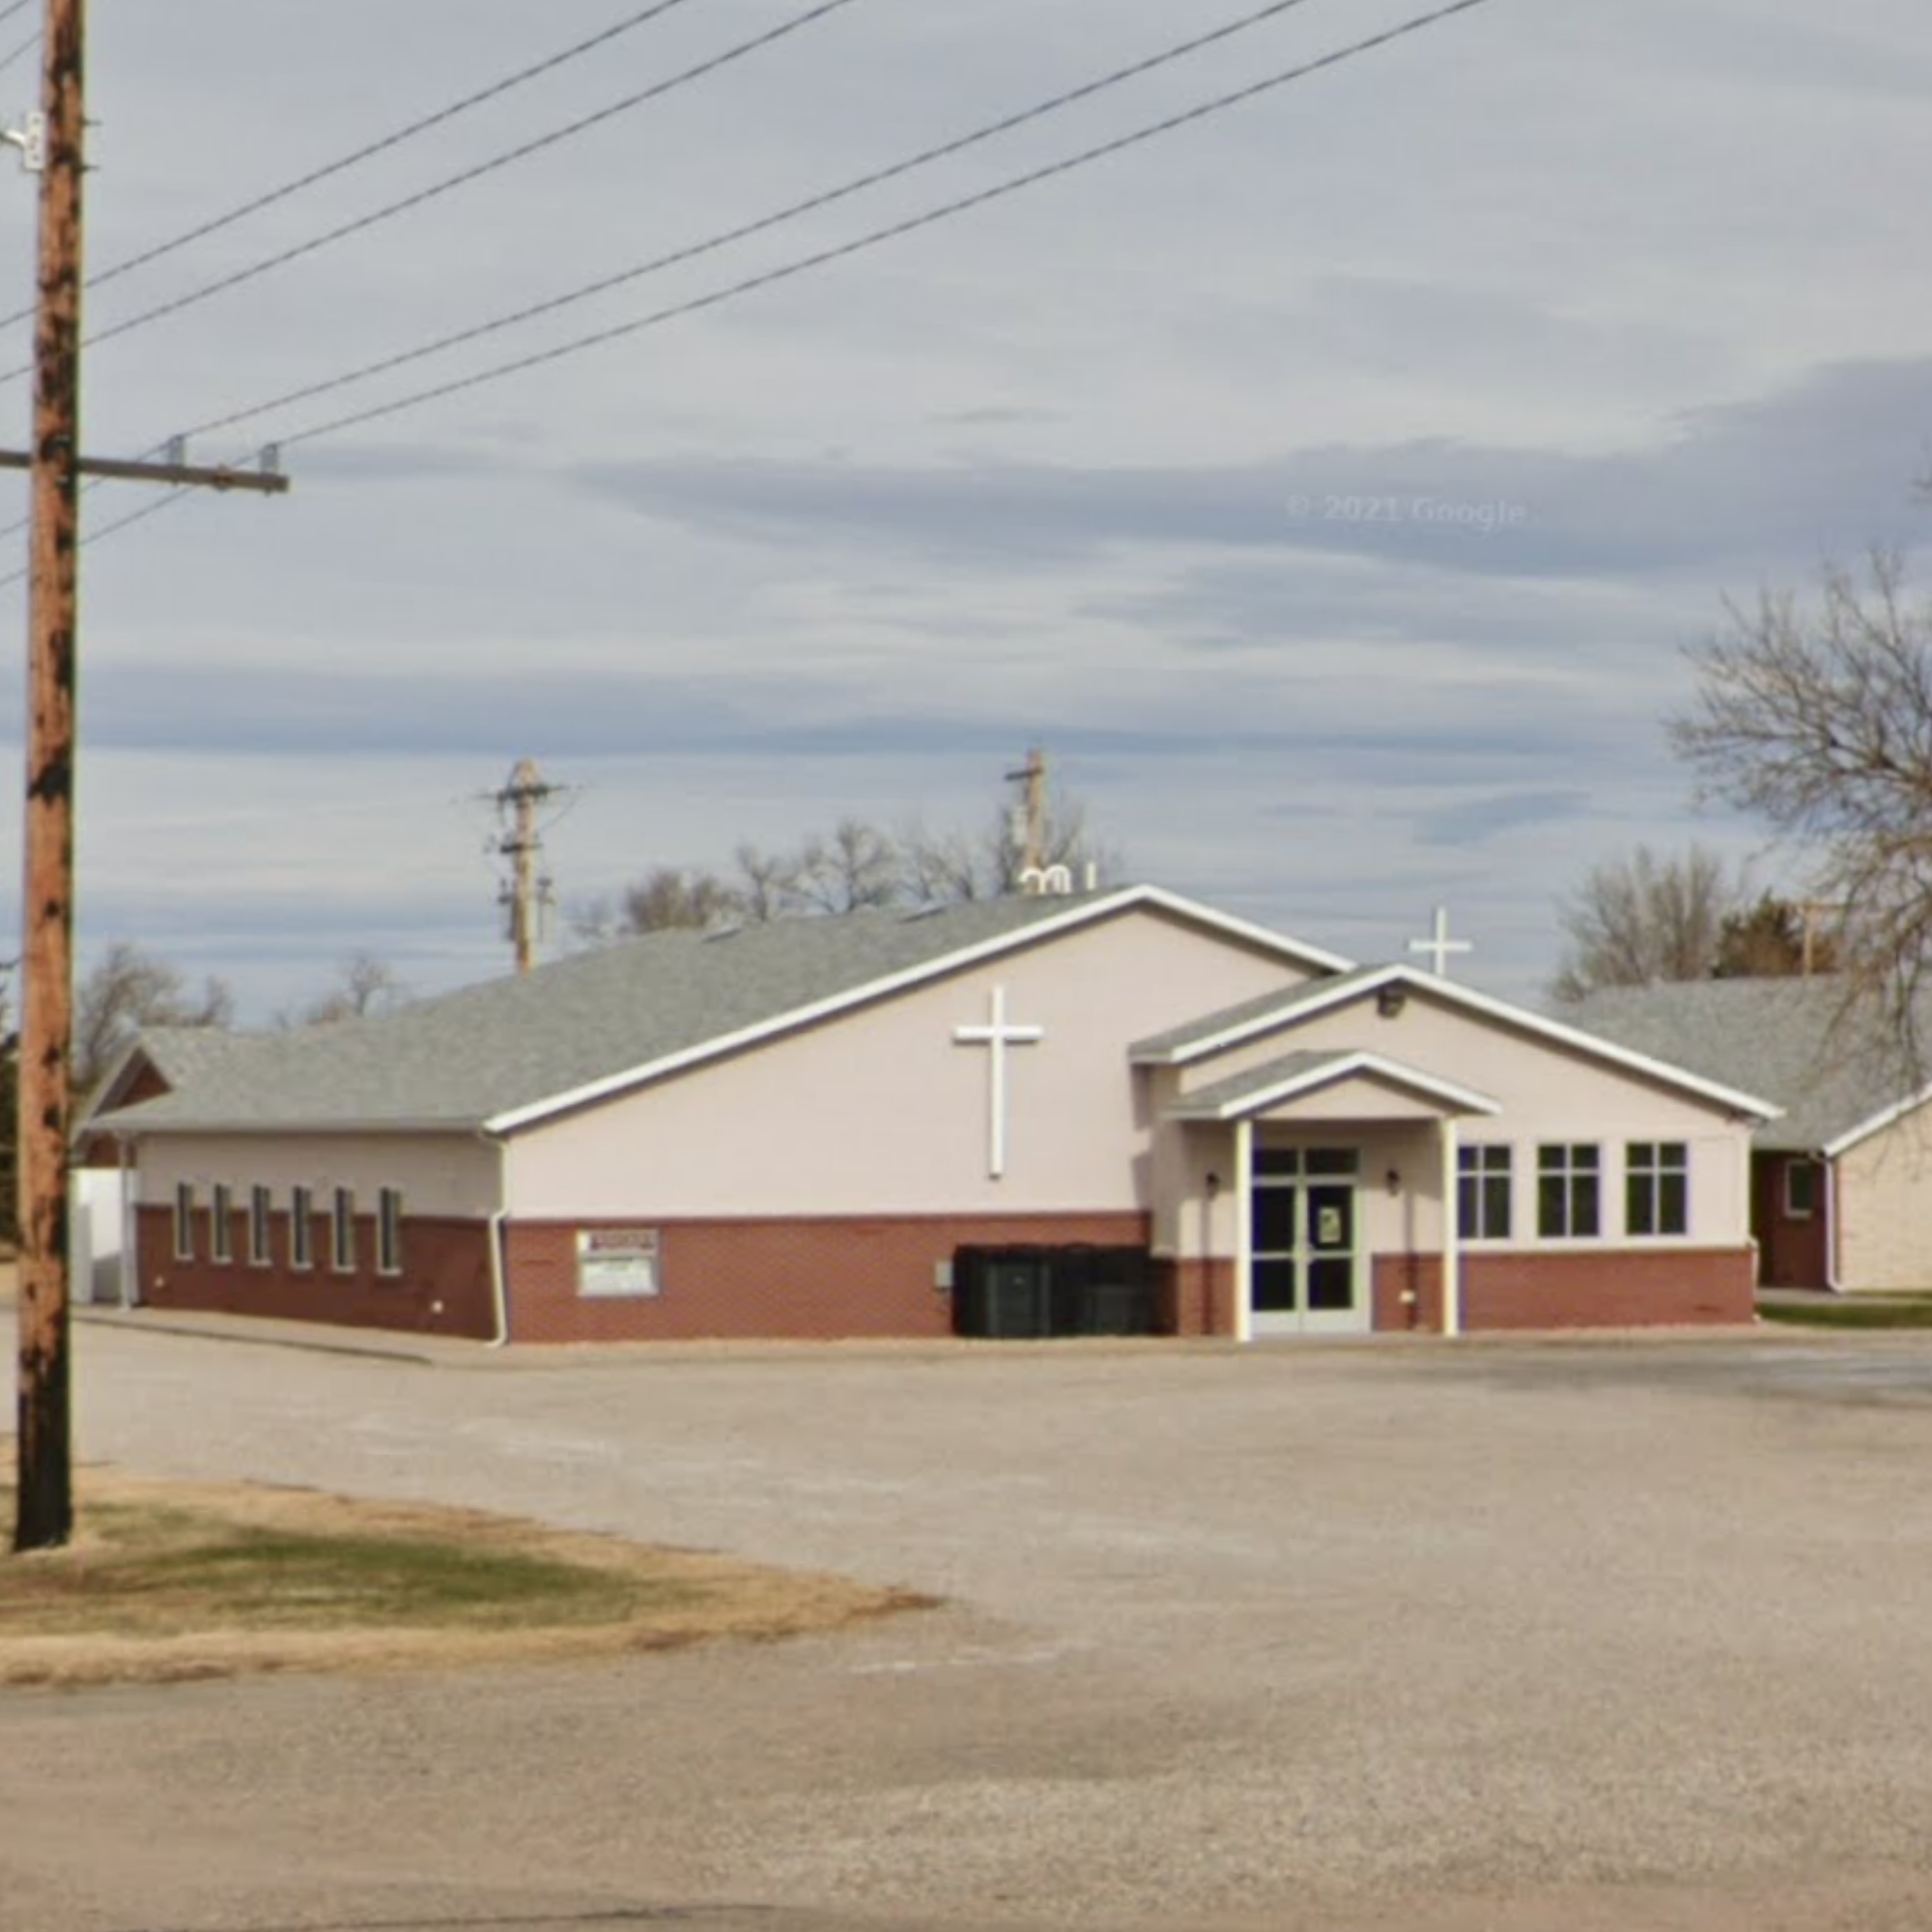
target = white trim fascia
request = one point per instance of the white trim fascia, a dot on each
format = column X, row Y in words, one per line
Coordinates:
column 1875, row 1124
column 1315, row 1000
column 1088, row 912
column 1306, row 1001
column 1346, row 1067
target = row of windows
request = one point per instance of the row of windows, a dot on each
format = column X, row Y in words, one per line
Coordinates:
column 302, row 1217
column 1570, row 1190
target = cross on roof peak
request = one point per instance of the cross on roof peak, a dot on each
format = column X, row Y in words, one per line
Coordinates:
column 1440, row 945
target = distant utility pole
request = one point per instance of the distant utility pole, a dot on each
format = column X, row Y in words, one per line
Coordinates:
column 526, row 894
column 1030, row 816
column 50, row 146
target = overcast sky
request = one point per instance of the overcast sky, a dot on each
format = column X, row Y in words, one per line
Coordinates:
column 1331, row 486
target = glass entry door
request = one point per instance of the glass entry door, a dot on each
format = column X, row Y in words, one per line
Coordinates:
column 1304, row 1257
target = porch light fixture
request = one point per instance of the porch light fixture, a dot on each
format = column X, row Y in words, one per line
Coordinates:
column 1394, row 1180
column 1390, row 1001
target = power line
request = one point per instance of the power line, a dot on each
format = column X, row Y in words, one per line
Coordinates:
column 911, row 224
column 18, row 7
column 437, row 189
column 1005, row 124
column 825, row 256
column 20, row 52
column 408, row 132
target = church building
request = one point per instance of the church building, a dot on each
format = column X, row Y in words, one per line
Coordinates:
column 1116, row 1111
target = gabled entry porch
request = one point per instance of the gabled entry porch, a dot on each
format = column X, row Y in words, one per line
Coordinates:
column 1340, row 1176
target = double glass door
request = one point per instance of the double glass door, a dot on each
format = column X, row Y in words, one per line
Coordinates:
column 1304, row 1259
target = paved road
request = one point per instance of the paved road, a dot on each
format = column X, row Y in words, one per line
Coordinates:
column 1501, row 1636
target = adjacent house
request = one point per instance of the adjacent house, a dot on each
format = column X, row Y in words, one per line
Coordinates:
column 1841, row 1179
column 837, row 1127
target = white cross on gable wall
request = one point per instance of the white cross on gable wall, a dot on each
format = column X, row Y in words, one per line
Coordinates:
column 996, row 1036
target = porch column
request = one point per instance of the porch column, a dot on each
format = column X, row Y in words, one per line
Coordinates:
column 1244, row 1227
column 1452, row 1232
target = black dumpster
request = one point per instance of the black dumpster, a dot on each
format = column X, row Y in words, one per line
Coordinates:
column 1037, row 1292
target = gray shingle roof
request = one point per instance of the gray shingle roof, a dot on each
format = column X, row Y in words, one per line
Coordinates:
column 1279, row 1005
column 492, row 1050
column 1790, row 1041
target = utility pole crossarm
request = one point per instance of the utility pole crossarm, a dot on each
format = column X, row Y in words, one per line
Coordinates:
column 207, row 476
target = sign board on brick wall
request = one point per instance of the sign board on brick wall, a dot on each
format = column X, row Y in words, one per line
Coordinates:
column 617, row 1262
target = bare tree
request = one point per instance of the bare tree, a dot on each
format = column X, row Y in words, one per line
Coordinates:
column 365, row 986
column 1818, row 717
column 767, row 883
column 129, row 989
column 1641, row 919
column 1775, row 939
column 857, row 866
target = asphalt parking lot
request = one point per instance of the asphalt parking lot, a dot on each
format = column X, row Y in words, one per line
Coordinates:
column 1623, row 1633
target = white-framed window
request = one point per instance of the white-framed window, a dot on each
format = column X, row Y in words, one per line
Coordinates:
column 1483, row 1188
column 1800, row 1189
column 342, row 1231
column 222, row 1223
column 261, row 1204
column 301, row 1226
column 1569, row 1190
column 390, row 1231
column 1656, row 1187
column 184, row 1221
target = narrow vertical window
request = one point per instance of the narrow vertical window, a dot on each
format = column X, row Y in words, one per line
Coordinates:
column 222, row 1223
column 342, row 1231
column 1656, row 1187
column 1800, row 1189
column 302, row 1228
column 390, row 1231
column 184, row 1221
column 260, row 1205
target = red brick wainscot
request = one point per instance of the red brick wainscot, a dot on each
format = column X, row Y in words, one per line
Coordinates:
column 818, row 1280
column 443, row 1286
column 1551, row 1288
column 1197, row 1296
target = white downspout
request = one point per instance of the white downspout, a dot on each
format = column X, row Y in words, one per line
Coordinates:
column 500, row 1293
column 1244, row 1231
column 1452, row 1231
column 1831, row 1192
column 130, row 1226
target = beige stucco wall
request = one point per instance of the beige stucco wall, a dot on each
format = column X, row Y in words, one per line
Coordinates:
column 453, row 1175
column 1885, row 1208
column 1547, row 1092
column 885, row 1113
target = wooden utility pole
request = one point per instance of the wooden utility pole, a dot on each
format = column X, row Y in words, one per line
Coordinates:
column 1032, row 779
column 45, row 1516
column 524, row 894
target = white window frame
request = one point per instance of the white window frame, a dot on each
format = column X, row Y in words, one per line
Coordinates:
column 1656, row 1171
column 342, row 1231
column 260, row 1226
column 1571, row 1169
column 1477, row 1165
column 184, row 1220
column 302, row 1228
column 390, row 1231
column 222, row 1223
